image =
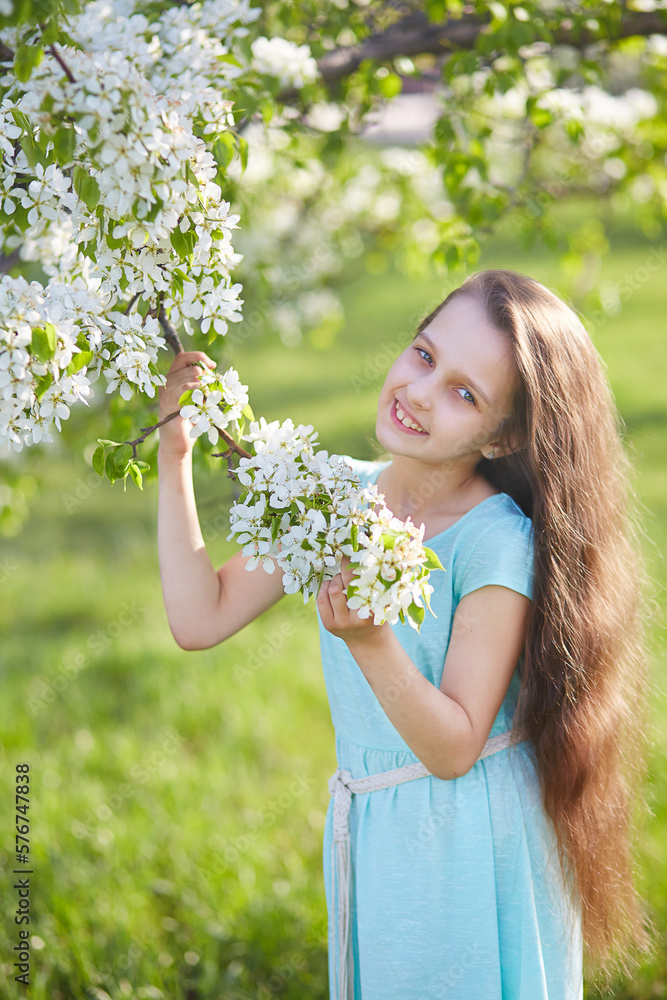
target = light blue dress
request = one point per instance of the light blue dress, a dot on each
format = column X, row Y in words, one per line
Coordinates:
column 456, row 891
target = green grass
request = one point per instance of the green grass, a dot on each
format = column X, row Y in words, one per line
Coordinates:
column 178, row 799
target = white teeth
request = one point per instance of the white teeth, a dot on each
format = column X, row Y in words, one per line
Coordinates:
column 405, row 419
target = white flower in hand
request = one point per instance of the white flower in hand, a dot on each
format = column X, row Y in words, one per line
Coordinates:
column 205, row 415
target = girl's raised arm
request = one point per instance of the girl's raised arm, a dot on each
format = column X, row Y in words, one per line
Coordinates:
column 203, row 606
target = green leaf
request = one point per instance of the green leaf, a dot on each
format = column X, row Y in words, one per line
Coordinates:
column 243, row 151
column 541, row 117
column 103, row 461
column 64, row 144
column 417, row 614
column 436, row 10
column 79, row 361
column 109, row 467
column 574, row 129
column 43, row 346
column 21, row 120
column 122, row 457
column 354, row 536
column 50, row 33
column 229, row 58
column 390, row 85
column 26, row 59
column 98, row 461
column 135, row 472
column 183, row 243
column 86, row 187
column 267, row 108
column 432, row 561
column 177, row 280
column 444, row 131
column 223, row 150
column 190, row 174
column 31, row 149
column 247, row 412
column 186, row 398
column 22, row 11
column 43, row 384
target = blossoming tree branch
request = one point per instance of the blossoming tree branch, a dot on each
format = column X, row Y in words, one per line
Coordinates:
column 110, row 178
column 126, row 129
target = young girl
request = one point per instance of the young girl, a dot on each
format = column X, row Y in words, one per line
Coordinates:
column 496, row 840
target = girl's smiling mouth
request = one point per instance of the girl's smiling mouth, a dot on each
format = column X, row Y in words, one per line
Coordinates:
column 405, row 421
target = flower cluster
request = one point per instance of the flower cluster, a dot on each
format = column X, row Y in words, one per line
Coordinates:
column 129, row 354
column 42, row 363
column 134, row 191
column 219, row 400
column 304, row 510
column 292, row 65
column 115, row 146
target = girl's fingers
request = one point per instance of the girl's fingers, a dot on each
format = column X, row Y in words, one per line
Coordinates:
column 187, row 358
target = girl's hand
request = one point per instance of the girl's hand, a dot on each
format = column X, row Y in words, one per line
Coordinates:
column 340, row 620
column 185, row 373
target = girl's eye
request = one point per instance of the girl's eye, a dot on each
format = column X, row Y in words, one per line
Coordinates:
column 466, row 392
column 424, row 355
column 467, row 395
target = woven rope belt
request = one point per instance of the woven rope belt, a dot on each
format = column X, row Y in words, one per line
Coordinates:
column 343, row 786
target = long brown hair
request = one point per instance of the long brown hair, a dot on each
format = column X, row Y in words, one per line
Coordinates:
column 584, row 680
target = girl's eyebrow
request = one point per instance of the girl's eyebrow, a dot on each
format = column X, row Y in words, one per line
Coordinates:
column 464, row 378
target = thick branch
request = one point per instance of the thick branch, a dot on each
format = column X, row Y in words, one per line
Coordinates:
column 415, row 35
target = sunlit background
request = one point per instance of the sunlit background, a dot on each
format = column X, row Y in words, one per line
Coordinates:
column 179, row 798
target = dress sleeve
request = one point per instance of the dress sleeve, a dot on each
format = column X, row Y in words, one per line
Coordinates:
column 502, row 554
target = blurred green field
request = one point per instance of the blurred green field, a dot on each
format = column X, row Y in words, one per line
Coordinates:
column 178, row 799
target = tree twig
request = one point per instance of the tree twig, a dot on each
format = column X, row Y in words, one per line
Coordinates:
column 7, row 261
column 131, row 302
column 170, row 334
column 61, row 62
column 233, row 445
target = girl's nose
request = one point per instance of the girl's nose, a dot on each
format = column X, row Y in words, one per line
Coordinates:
column 418, row 394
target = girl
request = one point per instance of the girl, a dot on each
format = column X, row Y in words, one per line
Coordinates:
column 497, row 839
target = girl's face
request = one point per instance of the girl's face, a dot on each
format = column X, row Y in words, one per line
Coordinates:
column 455, row 381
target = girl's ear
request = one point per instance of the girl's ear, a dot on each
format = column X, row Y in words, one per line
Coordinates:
column 505, row 445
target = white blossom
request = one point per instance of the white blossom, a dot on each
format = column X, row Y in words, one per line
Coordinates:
column 292, row 64
column 304, row 510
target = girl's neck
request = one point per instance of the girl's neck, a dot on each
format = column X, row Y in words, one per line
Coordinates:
column 430, row 493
